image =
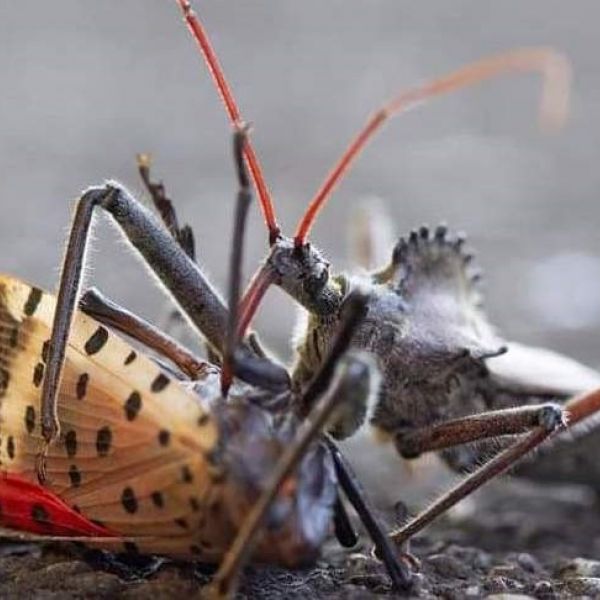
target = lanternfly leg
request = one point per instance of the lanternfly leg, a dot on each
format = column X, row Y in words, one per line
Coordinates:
column 225, row 580
column 491, row 469
column 397, row 571
column 178, row 273
column 476, row 427
column 102, row 309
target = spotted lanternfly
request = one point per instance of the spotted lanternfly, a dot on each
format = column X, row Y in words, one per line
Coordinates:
column 166, row 453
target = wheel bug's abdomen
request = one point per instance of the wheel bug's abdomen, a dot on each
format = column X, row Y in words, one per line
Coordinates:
column 142, row 463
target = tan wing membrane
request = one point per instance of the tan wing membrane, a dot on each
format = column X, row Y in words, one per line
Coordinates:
column 134, row 450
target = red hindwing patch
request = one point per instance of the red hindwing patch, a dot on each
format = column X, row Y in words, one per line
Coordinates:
column 26, row 506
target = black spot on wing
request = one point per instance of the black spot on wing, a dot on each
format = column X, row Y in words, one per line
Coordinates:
column 10, row 447
column 71, row 443
column 81, row 387
column 45, row 351
column 130, row 358
column 40, row 515
column 103, row 440
column 96, row 342
column 33, row 300
column 133, row 404
column 30, row 419
column 75, row 476
column 160, row 383
column 157, row 499
column 38, row 374
column 129, row 501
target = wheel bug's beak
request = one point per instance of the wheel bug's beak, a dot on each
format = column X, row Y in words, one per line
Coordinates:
column 299, row 518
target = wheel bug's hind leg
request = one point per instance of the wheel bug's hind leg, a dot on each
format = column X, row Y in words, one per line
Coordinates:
column 488, row 471
column 98, row 306
column 509, row 421
column 385, row 549
column 168, row 261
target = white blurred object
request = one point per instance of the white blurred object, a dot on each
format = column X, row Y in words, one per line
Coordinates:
column 564, row 290
column 370, row 234
column 388, row 478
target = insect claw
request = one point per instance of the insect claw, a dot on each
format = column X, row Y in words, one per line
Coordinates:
column 552, row 417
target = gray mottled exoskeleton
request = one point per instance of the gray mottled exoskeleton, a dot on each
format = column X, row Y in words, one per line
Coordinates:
column 447, row 378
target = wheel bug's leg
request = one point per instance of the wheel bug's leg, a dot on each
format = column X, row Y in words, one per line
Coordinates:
column 397, row 570
column 184, row 236
column 494, row 467
column 496, row 423
column 102, row 309
column 344, row 532
column 173, row 267
column 257, row 370
column 244, row 198
column 338, row 371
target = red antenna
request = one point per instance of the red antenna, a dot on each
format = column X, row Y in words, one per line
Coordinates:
column 553, row 66
column 234, row 114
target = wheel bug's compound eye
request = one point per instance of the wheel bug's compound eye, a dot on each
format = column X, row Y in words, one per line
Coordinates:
column 317, row 281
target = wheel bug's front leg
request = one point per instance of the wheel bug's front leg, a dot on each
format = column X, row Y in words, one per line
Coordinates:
column 98, row 306
column 355, row 494
column 480, row 426
column 178, row 273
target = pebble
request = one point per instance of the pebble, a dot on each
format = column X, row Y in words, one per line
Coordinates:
column 509, row 597
column 448, row 566
column 580, row 567
column 581, row 586
column 544, row 590
column 528, row 562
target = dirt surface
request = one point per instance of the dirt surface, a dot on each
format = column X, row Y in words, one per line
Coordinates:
column 516, row 538
column 88, row 85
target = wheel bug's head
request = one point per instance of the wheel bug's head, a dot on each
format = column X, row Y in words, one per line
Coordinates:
column 299, row 519
column 303, row 273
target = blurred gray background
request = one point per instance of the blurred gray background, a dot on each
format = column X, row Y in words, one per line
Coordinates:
column 88, row 84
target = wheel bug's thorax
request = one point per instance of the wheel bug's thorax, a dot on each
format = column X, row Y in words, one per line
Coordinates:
column 424, row 327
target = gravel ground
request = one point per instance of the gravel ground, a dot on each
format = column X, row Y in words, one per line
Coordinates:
column 516, row 538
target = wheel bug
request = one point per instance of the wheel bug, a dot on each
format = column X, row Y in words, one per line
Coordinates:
column 447, row 379
column 183, row 281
